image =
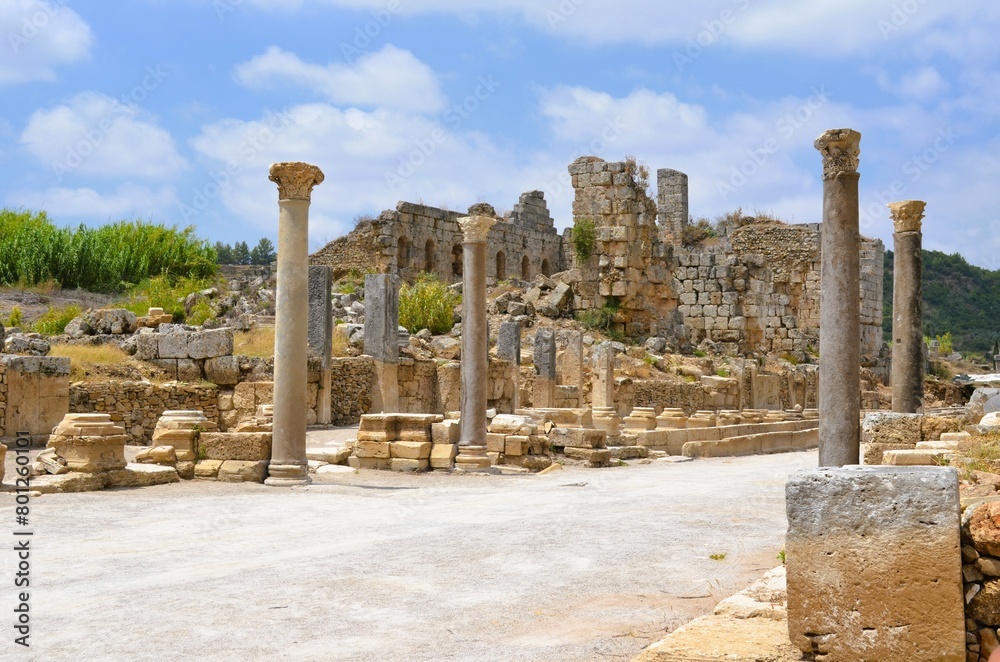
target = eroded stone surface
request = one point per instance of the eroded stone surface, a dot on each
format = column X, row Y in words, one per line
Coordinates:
column 874, row 563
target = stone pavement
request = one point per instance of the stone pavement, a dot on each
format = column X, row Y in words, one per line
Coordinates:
column 580, row 564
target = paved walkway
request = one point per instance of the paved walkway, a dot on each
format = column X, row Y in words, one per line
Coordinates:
column 582, row 564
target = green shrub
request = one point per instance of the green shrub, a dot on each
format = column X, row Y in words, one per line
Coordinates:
column 16, row 317
column 427, row 304
column 54, row 321
column 584, row 238
column 163, row 292
column 602, row 319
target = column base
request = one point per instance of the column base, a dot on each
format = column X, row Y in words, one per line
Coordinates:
column 287, row 475
column 472, row 458
column 607, row 419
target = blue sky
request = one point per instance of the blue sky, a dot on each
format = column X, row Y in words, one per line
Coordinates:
column 172, row 110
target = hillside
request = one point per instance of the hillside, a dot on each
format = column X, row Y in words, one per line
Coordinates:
column 959, row 298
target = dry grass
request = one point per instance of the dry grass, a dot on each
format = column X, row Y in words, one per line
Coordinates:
column 982, row 454
column 341, row 343
column 87, row 359
column 256, row 342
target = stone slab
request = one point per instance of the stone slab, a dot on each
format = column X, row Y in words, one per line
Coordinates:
column 243, row 446
column 874, row 563
column 242, row 471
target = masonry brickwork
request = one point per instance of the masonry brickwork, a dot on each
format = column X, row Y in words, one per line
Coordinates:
column 754, row 287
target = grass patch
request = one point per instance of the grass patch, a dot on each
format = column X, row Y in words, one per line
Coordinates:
column 255, row 342
column 89, row 357
column 427, row 304
column 718, row 556
column 341, row 343
column 983, row 454
column 602, row 319
column 54, row 321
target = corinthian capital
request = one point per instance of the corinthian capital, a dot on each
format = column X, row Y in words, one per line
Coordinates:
column 906, row 215
column 840, row 149
column 475, row 228
column 295, row 180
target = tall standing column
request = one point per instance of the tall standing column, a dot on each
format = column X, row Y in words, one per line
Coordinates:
column 839, row 307
column 475, row 342
column 382, row 339
column 288, row 465
column 907, row 308
column 543, row 394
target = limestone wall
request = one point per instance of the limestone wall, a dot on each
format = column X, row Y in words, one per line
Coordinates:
column 416, row 238
column 138, row 405
column 981, row 572
column 34, row 396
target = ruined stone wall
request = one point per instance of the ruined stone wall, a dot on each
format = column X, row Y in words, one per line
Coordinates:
column 138, row 405
column 351, row 388
column 3, row 397
column 629, row 269
column 872, row 265
column 981, row 573
column 416, row 238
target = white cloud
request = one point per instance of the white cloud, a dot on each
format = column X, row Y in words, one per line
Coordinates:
column 95, row 135
column 87, row 204
column 922, row 84
column 389, row 78
column 371, row 159
column 38, row 36
column 822, row 28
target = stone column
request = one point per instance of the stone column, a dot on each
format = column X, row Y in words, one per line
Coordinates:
column 382, row 339
column 573, row 363
column 288, row 465
column 544, row 390
column 509, row 349
column 603, row 389
column 475, row 342
column 839, row 308
column 907, row 308
column 321, row 336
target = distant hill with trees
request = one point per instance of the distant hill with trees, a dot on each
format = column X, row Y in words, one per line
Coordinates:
column 959, row 298
column 240, row 252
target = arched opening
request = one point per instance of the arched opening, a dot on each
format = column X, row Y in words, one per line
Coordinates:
column 546, row 268
column 456, row 260
column 501, row 265
column 402, row 253
column 525, row 268
column 429, row 256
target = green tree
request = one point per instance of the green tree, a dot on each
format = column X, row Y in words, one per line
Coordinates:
column 224, row 253
column 241, row 253
column 263, row 252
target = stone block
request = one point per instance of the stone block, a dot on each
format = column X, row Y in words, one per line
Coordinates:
column 509, row 342
column 141, row 475
column 495, row 442
column 382, row 317
column 402, row 464
column 445, row 432
column 90, row 454
column 545, row 354
column 415, row 427
column 596, row 457
column 379, row 464
column 410, row 450
column 147, row 346
column 207, row 468
column 332, row 455
column 512, row 424
column 377, row 427
column 172, row 345
column 874, row 563
column 891, row 428
column 375, row 450
column 242, row 471
column 242, row 446
column 168, row 366
column 443, row 456
column 211, row 344
column 223, row 370
column 188, row 370
column 516, row 445
column 916, row 457
column 577, row 438
column 873, row 453
column 320, row 333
